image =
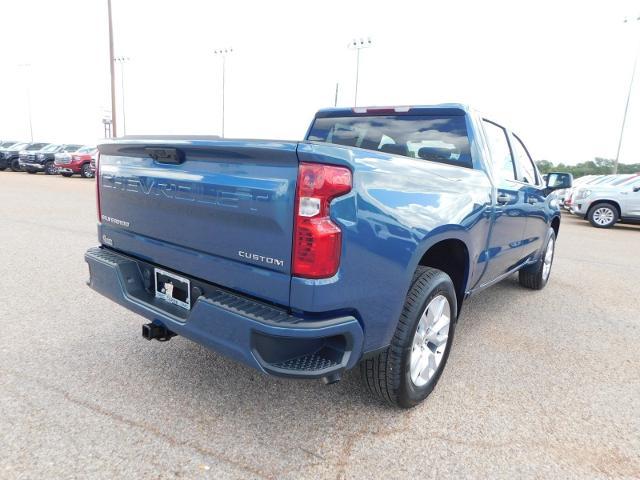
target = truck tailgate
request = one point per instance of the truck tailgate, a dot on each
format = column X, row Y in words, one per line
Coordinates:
column 218, row 210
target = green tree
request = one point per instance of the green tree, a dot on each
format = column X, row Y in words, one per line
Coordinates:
column 597, row 166
column 545, row 166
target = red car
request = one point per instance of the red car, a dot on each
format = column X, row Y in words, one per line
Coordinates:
column 77, row 162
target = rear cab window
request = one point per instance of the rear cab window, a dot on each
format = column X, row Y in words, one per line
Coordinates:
column 436, row 138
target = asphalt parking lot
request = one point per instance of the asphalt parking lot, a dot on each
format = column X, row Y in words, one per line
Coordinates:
column 539, row 384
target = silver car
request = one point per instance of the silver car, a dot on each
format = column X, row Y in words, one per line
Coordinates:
column 604, row 205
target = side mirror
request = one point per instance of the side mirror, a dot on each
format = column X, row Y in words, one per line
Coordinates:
column 558, row 181
column 636, row 189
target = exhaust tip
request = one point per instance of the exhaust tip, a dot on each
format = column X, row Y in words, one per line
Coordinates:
column 332, row 378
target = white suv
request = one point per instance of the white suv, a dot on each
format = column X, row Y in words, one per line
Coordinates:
column 604, row 205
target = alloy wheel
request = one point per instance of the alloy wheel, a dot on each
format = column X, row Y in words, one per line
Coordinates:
column 430, row 340
column 603, row 216
column 548, row 259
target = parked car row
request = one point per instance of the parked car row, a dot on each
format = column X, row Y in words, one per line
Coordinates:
column 604, row 200
column 51, row 158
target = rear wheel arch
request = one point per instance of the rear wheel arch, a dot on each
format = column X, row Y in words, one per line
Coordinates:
column 555, row 224
column 452, row 257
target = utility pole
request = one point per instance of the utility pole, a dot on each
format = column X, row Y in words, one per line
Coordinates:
column 626, row 106
column 27, row 81
column 357, row 45
column 122, row 61
column 223, row 52
column 335, row 102
column 112, row 68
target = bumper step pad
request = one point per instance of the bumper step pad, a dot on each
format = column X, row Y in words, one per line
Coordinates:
column 307, row 363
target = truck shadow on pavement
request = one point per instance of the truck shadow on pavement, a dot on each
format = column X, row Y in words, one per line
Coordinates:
column 213, row 372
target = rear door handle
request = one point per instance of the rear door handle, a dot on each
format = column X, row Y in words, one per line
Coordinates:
column 503, row 198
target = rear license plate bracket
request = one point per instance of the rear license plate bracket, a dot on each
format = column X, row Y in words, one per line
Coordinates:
column 172, row 288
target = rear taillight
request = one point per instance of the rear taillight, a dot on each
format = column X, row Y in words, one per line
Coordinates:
column 317, row 241
column 97, row 175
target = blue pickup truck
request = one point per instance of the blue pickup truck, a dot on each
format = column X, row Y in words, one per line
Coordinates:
column 303, row 259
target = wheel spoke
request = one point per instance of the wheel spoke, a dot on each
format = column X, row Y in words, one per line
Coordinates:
column 418, row 340
column 433, row 364
column 438, row 308
column 421, row 332
column 415, row 359
column 440, row 325
column 424, row 361
column 427, row 317
column 419, row 364
column 429, row 368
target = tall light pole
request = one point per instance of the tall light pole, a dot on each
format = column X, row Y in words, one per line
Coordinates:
column 27, row 81
column 223, row 52
column 122, row 61
column 626, row 106
column 112, row 69
column 357, row 45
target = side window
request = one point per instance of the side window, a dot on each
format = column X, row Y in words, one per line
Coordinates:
column 500, row 151
column 526, row 170
column 633, row 185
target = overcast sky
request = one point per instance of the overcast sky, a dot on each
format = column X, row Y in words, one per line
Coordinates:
column 556, row 72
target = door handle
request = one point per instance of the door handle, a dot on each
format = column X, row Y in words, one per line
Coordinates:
column 503, row 198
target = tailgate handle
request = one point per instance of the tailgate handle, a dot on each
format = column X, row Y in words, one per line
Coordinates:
column 165, row 155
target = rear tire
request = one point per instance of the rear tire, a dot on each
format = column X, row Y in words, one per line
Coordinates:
column 15, row 165
column 536, row 276
column 423, row 337
column 603, row 215
column 86, row 171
